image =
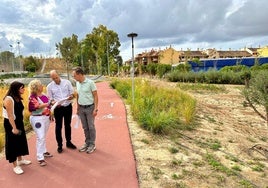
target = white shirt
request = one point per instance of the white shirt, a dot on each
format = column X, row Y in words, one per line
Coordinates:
column 60, row 91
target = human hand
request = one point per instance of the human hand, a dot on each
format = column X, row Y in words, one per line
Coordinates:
column 35, row 102
column 95, row 112
column 51, row 118
column 16, row 131
column 71, row 97
column 52, row 102
column 46, row 111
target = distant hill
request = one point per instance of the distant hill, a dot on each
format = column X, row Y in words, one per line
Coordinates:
column 53, row 63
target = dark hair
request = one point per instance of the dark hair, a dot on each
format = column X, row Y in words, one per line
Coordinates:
column 13, row 90
column 78, row 70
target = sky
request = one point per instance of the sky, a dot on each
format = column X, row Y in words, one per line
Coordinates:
column 33, row 27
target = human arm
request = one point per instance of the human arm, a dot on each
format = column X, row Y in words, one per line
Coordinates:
column 96, row 101
column 77, row 105
column 34, row 104
column 9, row 106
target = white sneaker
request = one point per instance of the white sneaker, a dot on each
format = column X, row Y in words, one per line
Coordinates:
column 91, row 148
column 18, row 170
column 83, row 148
column 24, row 162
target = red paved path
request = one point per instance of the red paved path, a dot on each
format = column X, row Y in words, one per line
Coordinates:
column 111, row 165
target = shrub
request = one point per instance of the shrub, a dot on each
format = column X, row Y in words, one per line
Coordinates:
column 158, row 109
column 256, row 93
column 211, row 76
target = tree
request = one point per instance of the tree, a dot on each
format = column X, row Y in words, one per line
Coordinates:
column 100, row 48
column 256, row 93
column 69, row 49
column 31, row 64
column 115, row 65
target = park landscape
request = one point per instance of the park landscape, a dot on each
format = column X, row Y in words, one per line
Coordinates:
column 214, row 140
column 227, row 147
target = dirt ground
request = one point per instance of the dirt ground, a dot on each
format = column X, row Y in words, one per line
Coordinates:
column 227, row 148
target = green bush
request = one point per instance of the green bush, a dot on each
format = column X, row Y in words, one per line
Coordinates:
column 151, row 69
column 158, row 109
column 122, row 87
column 259, row 67
column 162, row 69
column 256, row 93
column 236, row 68
column 211, row 76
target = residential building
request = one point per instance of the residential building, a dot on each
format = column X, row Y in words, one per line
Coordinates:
column 191, row 55
column 252, row 51
column 173, row 57
column 166, row 56
column 229, row 54
column 263, row 52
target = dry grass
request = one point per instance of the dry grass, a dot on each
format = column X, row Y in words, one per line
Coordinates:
column 223, row 150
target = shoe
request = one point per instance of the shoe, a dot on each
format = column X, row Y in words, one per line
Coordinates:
column 47, row 154
column 59, row 149
column 91, row 148
column 24, row 162
column 18, row 170
column 70, row 145
column 83, row 148
column 42, row 163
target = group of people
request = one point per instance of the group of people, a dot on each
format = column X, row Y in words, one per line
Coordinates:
column 60, row 94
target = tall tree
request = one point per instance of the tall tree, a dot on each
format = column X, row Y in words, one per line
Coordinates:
column 100, row 48
column 69, row 49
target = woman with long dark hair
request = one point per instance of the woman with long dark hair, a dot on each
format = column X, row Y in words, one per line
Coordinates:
column 16, row 144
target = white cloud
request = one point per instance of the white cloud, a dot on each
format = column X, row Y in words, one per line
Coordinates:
column 182, row 24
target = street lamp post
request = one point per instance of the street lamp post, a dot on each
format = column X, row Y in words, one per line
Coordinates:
column 107, row 53
column 67, row 62
column 81, row 53
column 132, row 35
column 19, row 58
column 117, row 59
column 12, row 59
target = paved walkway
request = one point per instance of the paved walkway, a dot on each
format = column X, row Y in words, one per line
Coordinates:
column 112, row 165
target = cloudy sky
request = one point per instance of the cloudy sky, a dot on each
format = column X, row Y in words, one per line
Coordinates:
column 38, row 24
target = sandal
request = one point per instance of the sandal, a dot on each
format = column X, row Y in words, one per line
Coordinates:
column 47, row 154
column 42, row 163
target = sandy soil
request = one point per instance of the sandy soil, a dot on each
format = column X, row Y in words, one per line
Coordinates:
column 228, row 147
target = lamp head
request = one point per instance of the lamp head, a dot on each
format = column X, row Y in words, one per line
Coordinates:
column 132, row 35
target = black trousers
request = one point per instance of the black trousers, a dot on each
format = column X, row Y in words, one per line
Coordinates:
column 63, row 113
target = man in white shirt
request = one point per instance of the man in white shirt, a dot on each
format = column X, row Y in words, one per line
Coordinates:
column 57, row 90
